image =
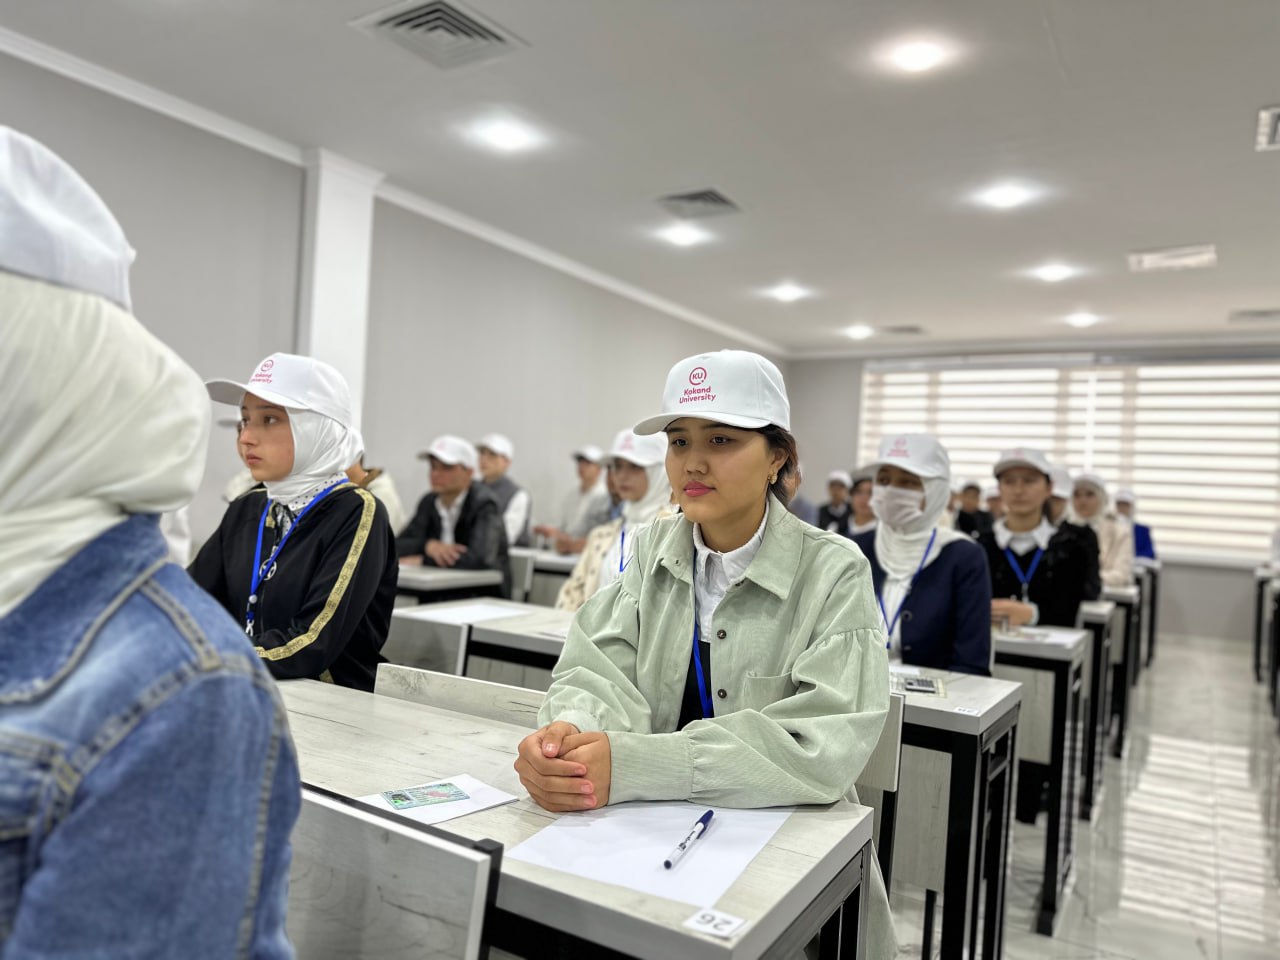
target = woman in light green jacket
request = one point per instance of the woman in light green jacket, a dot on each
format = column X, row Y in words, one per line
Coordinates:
column 739, row 659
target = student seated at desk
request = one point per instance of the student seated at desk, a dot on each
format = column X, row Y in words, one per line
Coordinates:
column 739, row 658
column 149, row 782
column 638, row 474
column 1089, row 502
column 1143, row 546
column 931, row 581
column 833, row 516
column 971, row 519
column 1060, row 489
column 307, row 566
column 458, row 524
column 585, row 507
column 861, row 517
column 1039, row 574
column 496, row 453
column 991, row 497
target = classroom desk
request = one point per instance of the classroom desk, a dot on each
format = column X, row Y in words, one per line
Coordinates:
column 808, row 878
column 434, row 635
column 537, row 575
column 1262, row 593
column 1099, row 617
column 1124, row 660
column 1148, row 572
column 1049, row 662
column 435, row 583
column 532, row 637
column 954, row 796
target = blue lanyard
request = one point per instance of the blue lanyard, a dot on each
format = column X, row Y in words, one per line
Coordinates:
column 890, row 624
column 704, row 694
column 259, row 568
column 622, row 549
column 1024, row 578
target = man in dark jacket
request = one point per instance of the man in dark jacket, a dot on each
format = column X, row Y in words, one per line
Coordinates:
column 458, row 524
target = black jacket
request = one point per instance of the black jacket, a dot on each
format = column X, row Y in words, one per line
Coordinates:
column 327, row 607
column 1067, row 574
column 479, row 529
column 974, row 524
column 829, row 520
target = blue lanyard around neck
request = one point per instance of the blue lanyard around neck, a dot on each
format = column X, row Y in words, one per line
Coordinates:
column 704, row 691
column 622, row 549
column 890, row 624
column 1024, row 578
column 260, row 568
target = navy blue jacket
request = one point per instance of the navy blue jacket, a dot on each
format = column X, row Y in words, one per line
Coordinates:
column 1143, row 545
column 946, row 619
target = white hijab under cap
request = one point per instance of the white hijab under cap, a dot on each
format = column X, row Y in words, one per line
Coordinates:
column 899, row 550
column 323, row 449
column 1104, row 502
column 649, row 453
column 101, row 420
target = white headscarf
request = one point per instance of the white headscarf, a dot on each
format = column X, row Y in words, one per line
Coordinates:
column 322, row 450
column 101, row 420
column 1099, row 486
column 900, row 550
column 636, row 515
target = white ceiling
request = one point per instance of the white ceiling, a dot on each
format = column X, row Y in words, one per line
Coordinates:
column 1138, row 117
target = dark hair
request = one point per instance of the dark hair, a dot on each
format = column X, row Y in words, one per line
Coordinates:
column 779, row 439
column 859, row 482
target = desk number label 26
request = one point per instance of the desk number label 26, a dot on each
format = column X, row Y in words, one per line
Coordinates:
column 715, row 923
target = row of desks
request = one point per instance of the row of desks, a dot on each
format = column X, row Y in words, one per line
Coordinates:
column 536, row 577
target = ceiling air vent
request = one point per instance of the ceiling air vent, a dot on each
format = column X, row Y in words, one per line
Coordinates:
column 444, row 34
column 1254, row 316
column 1268, row 129
column 697, row 203
column 906, row 330
column 1195, row 257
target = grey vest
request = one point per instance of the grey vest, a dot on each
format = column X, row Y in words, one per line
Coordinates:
column 503, row 489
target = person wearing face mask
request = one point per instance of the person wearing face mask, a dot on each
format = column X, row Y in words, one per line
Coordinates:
column 148, row 785
column 1089, row 508
column 782, row 687
column 1039, row 573
column 931, row 581
column 308, row 565
column 638, row 474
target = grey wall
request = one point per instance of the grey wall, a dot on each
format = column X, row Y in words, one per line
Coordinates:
column 1207, row 601
column 216, row 226
column 826, row 400
column 468, row 338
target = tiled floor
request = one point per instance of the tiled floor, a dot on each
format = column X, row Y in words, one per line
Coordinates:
column 1183, row 860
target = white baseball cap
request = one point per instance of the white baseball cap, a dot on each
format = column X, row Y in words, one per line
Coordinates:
column 291, row 381
column 734, row 387
column 1022, row 457
column 840, row 476
column 644, row 450
column 1092, row 480
column 591, row 453
column 918, row 453
column 1060, row 477
column 451, row 450
column 865, row 472
column 497, row 443
column 54, row 227
column 1125, row 495
column 991, row 492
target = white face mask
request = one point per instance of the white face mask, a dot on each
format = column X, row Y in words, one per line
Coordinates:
column 895, row 506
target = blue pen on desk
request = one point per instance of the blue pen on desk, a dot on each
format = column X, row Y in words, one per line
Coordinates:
column 698, row 830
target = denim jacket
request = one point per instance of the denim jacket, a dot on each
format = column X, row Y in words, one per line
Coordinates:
column 148, row 784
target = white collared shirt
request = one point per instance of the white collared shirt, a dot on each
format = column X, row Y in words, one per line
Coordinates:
column 1024, row 542
column 713, row 573
column 449, row 516
column 857, row 528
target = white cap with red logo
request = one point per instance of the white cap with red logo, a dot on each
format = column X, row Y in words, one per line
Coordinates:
column 644, row 450
column 1060, row 477
column 918, row 453
column 497, row 443
column 591, row 453
column 734, row 387
column 290, row 380
column 451, row 450
column 1125, row 495
column 1023, row 457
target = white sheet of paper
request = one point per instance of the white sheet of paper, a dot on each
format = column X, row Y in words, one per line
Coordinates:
column 625, row 845
column 903, row 670
column 477, row 612
column 480, row 796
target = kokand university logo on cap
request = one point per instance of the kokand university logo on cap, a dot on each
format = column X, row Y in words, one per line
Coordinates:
column 700, row 392
column 899, row 448
column 263, row 373
column 628, row 443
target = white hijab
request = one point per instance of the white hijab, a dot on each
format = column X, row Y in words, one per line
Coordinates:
column 323, row 449
column 636, row 514
column 1104, row 505
column 900, row 550
column 100, row 420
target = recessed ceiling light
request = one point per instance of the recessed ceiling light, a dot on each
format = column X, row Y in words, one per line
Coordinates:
column 1054, row 272
column 916, row 56
column 859, row 331
column 505, row 134
column 788, row 293
column 1082, row 319
column 1006, row 196
column 684, row 235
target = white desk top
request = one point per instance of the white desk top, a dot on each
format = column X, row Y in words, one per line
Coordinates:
column 357, row 743
column 1264, row 572
column 448, row 611
column 1097, row 611
column 436, row 578
column 971, row 705
column 1120, row 594
column 1046, row 643
column 537, row 629
column 1145, row 564
column 547, row 560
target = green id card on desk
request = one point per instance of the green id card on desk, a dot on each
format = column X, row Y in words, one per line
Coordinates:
column 424, row 795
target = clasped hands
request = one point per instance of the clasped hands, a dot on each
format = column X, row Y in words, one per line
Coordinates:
column 564, row 769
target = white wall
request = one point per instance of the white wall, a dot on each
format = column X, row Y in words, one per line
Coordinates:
column 216, row 227
column 826, row 400
column 468, row 338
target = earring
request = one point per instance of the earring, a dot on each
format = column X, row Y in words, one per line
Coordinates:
column 773, row 478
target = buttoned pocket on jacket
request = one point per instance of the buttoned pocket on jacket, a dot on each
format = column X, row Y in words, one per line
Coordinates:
column 760, row 692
